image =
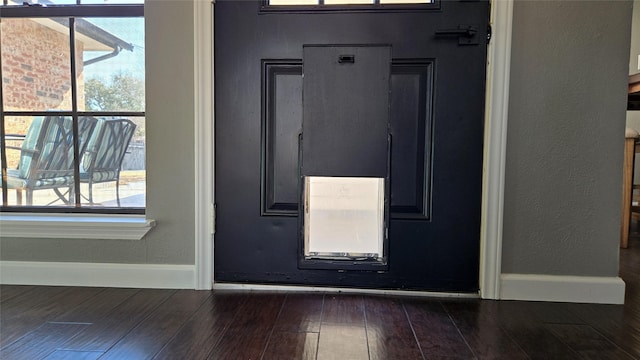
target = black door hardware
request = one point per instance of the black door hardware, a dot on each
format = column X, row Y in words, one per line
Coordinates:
column 467, row 35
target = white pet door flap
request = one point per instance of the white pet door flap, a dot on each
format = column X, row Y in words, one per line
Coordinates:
column 344, row 217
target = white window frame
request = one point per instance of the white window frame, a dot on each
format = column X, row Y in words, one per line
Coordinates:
column 71, row 11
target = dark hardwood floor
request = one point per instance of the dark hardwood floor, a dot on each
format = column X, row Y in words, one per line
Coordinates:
column 42, row 322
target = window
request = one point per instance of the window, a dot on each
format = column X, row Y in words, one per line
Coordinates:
column 72, row 116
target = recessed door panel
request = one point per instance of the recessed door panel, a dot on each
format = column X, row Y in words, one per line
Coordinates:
column 281, row 127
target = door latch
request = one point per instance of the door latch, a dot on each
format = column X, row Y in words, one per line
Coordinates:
column 467, row 35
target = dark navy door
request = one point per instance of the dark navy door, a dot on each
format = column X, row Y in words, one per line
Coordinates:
column 436, row 114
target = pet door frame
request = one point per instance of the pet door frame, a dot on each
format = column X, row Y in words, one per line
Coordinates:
column 332, row 142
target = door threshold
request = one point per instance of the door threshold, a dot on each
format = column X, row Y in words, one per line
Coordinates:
column 294, row 288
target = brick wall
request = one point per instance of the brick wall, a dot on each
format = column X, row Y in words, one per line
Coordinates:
column 36, row 71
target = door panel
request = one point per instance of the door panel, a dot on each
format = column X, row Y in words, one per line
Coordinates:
column 411, row 127
column 281, row 99
column 436, row 122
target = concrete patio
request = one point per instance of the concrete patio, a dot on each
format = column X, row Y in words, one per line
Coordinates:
column 132, row 193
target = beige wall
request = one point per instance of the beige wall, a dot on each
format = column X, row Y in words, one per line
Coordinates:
column 569, row 74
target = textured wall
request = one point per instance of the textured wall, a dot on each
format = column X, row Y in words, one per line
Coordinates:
column 565, row 134
column 170, row 153
column 170, row 130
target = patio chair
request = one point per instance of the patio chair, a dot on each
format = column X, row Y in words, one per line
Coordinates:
column 102, row 160
column 46, row 155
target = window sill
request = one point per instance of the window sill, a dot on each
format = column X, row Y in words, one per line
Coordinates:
column 75, row 226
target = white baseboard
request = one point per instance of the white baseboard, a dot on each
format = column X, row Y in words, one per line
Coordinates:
column 97, row 274
column 302, row 288
column 574, row 289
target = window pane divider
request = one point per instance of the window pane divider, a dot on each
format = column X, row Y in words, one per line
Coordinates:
column 87, row 10
column 74, row 108
column 71, row 113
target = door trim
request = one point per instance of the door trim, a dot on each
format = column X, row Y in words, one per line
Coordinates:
column 495, row 149
column 203, row 143
column 497, row 101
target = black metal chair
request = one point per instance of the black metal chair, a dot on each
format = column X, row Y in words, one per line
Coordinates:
column 102, row 159
column 46, row 155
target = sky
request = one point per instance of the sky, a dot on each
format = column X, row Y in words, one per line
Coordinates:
column 130, row 30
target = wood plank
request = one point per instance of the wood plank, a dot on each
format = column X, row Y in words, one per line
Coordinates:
column 343, row 309
column 118, row 322
column 148, row 338
column 18, row 312
column 74, row 355
column 623, row 326
column 479, row 324
column 204, row 330
column 301, row 313
column 249, row 332
column 342, row 341
column 98, row 307
column 43, row 341
column 9, row 291
column 526, row 325
column 434, row 330
column 587, row 342
column 619, row 324
column 548, row 312
column 342, row 332
column 28, row 311
column 284, row 345
column 389, row 333
column 30, row 299
column 295, row 334
column 299, row 326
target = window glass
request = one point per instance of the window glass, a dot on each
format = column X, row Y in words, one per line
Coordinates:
column 73, row 115
column 112, row 68
column 54, row 2
column 70, row 2
column 98, row 165
column 40, row 2
column 41, row 155
column 36, row 71
column 16, row 128
column 111, row 2
column 346, row 2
